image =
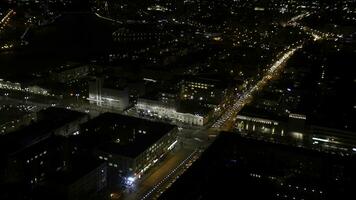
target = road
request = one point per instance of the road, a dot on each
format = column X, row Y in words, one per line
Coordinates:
column 7, row 17
column 192, row 142
column 317, row 35
column 108, row 19
column 147, row 186
column 226, row 121
column 172, row 176
column 199, row 139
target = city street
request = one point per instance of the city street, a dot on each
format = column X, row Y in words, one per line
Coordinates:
column 157, row 174
column 226, row 121
column 192, row 143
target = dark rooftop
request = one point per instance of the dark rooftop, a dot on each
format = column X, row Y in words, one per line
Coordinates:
column 123, row 135
column 59, row 115
column 253, row 111
column 234, row 167
column 78, row 168
column 218, row 82
column 193, row 108
column 58, row 185
column 48, row 120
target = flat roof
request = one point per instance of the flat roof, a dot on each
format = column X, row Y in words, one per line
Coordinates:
column 56, row 114
column 79, row 167
column 253, row 111
column 49, row 119
column 19, row 140
column 217, row 81
column 123, row 135
column 193, row 108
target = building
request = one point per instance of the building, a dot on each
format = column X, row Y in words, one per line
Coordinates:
column 71, row 73
column 143, row 33
column 30, row 157
column 296, row 123
column 69, row 120
column 108, row 94
column 259, row 121
column 129, row 145
column 83, row 179
column 7, row 85
column 165, row 102
column 182, row 112
column 29, row 154
column 34, row 89
column 234, row 166
column 207, row 92
column 256, row 124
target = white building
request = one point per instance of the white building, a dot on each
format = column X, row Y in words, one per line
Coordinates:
column 107, row 96
column 156, row 109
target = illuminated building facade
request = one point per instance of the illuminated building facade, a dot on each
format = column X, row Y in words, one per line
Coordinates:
column 193, row 115
column 127, row 35
column 129, row 145
column 207, row 92
column 296, row 123
column 255, row 124
column 108, row 94
column 34, row 89
column 9, row 85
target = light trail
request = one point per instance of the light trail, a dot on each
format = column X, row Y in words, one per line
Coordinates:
column 317, row 35
column 108, row 19
column 165, row 179
column 6, row 17
column 240, row 102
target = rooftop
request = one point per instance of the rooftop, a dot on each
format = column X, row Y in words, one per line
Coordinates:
column 59, row 115
column 123, row 135
column 325, row 90
column 48, row 120
column 78, row 168
column 218, row 82
column 193, row 108
column 235, row 166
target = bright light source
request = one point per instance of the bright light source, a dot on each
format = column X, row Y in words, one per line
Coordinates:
column 172, row 145
column 320, row 139
column 130, row 180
